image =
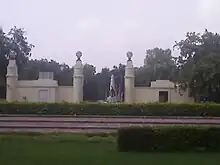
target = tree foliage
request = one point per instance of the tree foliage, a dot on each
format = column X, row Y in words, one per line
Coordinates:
column 199, row 64
column 15, row 40
column 159, row 64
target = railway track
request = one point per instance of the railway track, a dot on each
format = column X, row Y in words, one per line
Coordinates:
column 13, row 123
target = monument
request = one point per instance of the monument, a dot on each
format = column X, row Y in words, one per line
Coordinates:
column 112, row 90
column 46, row 89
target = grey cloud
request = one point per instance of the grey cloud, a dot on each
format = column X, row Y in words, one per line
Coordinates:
column 105, row 30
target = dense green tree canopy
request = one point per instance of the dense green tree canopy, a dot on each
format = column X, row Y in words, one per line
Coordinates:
column 199, row 64
column 159, row 64
column 15, row 40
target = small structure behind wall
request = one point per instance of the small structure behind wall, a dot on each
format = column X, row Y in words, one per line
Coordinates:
column 43, row 89
column 160, row 91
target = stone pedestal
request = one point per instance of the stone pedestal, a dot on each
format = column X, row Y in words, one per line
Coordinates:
column 11, row 78
column 129, row 80
column 78, row 80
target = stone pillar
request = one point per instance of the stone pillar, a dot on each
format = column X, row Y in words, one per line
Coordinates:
column 78, row 79
column 129, row 80
column 11, row 78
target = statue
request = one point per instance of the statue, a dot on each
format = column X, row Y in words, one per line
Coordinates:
column 112, row 91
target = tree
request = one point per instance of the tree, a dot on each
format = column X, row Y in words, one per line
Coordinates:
column 3, row 59
column 103, row 81
column 143, row 76
column 159, row 64
column 15, row 40
column 90, row 87
column 199, row 64
column 119, row 73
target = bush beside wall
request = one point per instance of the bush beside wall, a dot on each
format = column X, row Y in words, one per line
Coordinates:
column 153, row 109
column 169, row 139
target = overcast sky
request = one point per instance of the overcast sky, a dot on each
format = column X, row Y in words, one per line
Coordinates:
column 104, row 30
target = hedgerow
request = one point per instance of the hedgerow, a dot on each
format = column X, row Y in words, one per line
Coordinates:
column 151, row 109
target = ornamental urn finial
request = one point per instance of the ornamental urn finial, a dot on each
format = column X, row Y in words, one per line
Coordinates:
column 12, row 55
column 129, row 55
column 78, row 55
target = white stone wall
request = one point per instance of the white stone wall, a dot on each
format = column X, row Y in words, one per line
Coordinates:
column 65, row 93
column 151, row 94
column 31, row 90
column 49, row 90
column 55, row 94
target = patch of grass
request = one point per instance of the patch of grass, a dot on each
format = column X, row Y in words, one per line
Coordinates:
column 69, row 149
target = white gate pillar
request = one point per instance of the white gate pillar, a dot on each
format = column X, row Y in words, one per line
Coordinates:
column 78, row 79
column 129, row 80
column 11, row 78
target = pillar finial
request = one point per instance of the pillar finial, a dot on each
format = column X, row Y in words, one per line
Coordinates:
column 12, row 55
column 129, row 55
column 78, row 55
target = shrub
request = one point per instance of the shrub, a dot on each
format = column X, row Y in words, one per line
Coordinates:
column 152, row 109
column 169, row 139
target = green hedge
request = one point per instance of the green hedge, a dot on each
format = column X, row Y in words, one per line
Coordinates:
column 153, row 109
column 169, row 139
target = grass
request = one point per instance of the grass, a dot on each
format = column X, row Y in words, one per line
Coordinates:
column 69, row 149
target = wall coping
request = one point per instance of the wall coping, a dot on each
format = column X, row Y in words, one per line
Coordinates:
column 147, row 87
column 37, row 83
